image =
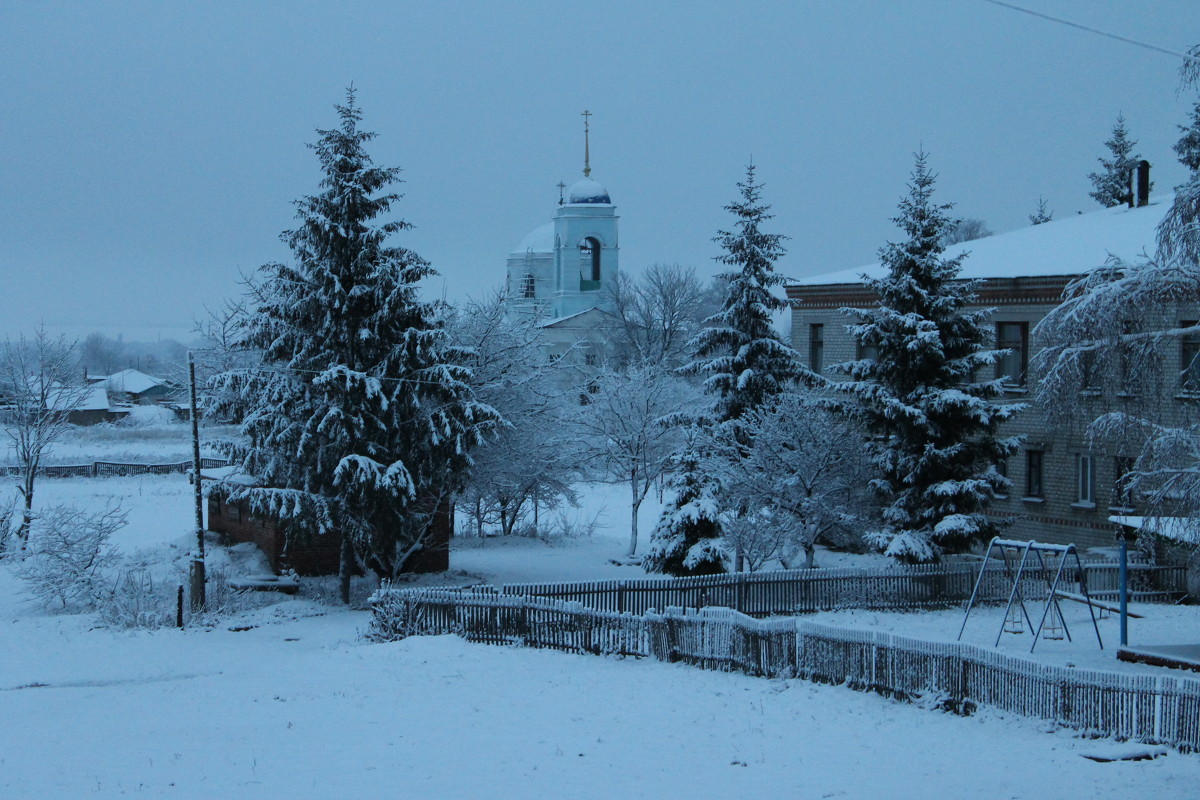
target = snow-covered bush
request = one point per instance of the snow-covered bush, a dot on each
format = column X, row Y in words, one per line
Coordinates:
column 134, row 598
column 8, row 519
column 69, row 554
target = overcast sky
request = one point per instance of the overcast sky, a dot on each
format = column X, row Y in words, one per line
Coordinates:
column 151, row 151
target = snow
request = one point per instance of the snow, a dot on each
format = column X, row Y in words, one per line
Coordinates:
column 1158, row 625
column 287, row 700
column 1066, row 246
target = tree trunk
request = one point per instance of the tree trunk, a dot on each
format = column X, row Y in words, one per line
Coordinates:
column 27, row 512
column 633, row 520
column 810, row 553
column 345, row 568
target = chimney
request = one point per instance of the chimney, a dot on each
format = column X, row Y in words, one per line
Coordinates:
column 1139, row 184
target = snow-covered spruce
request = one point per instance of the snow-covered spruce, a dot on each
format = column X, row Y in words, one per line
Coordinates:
column 1111, row 186
column 360, row 419
column 934, row 425
column 743, row 363
column 687, row 539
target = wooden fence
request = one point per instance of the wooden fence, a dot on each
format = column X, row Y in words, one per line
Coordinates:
column 761, row 594
column 108, row 469
column 1153, row 709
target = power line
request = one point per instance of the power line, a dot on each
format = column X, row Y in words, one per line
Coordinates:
column 1096, row 31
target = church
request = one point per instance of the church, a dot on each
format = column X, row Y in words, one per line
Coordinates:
column 561, row 273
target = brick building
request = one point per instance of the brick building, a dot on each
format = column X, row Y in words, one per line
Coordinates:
column 1061, row 490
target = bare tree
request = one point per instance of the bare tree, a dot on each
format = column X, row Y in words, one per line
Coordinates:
column 630, row 424
column 658, row 314
column 222, row 356
column 801, row 474
column 41, row 383
column 101, row 354
column 528, row 465
column 966, row 230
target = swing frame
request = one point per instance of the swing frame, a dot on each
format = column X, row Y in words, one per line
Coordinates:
column 1013, row 547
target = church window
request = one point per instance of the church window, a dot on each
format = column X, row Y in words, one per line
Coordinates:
column 589, row 260
column 528, row 286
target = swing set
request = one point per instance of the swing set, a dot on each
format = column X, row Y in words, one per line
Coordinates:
column 1016, row 615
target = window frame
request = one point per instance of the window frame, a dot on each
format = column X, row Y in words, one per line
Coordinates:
column 1020, row 352
column 1085, row 480
column 816, row 346
column 1035, row 474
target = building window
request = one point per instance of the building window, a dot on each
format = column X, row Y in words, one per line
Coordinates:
column 816, row 347
column 1002, row 471
column 1033, row 473
column 1122, row 496
column 589, row 260
column 868, row 352
column 1013, row 337
column 1085, row 479
column 1189, row 359
column 528, row 287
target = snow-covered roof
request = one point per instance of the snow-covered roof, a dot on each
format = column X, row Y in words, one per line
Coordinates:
column 539, row 240
column 1066, row 246
column 560, row 320
column 588, row 191
column 1182, row 529
column 132, row 381
column 95, row 398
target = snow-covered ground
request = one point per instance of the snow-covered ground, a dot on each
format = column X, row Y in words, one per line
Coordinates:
column 288, row 700
column 150, row 435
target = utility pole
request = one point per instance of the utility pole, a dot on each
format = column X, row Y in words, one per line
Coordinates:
column 196, row 573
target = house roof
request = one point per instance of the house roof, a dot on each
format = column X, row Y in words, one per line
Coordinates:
column 94, row 398
column 1068, row 246
column 132, row 381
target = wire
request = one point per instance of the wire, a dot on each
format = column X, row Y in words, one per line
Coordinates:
column 1096, row 31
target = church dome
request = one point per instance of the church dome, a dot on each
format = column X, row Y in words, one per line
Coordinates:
column 588, row 191
column 540, row 240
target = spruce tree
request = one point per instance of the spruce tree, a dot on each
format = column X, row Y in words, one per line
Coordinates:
column 1188, row 146
column 743, row 363
column 738, row 353
column 933, row 426
column 360, row 420
column 1042, row 215
column 1111, row 186
column 687, row 538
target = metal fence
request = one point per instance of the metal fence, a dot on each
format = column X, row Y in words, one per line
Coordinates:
column 761, row 594
column 1154, row 709
column 107, row 469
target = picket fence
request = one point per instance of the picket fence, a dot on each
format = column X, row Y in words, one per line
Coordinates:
column 958, row 677
column 761, row 594
column 108, row 469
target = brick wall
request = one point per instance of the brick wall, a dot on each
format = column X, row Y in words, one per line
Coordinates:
column 321, row 555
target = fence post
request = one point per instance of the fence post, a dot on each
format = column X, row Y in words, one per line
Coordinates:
column 739, row 597
column 620, row 597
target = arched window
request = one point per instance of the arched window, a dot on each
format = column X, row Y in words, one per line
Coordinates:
column 589, row 260
column 528, row 286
